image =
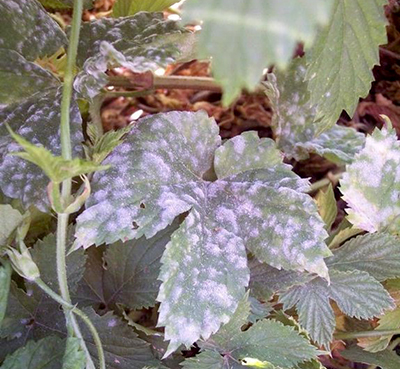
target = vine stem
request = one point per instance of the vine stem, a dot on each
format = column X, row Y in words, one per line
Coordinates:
column 66, row 152
column 82, row 315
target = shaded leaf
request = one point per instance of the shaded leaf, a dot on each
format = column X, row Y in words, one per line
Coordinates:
column 46, row 353
column 123, row 8
column 371, row 184
column 5, row 280
column 140, row 43
column 126, row 273
column 21, row 79
column 37, row 120
column 295, row 123
column 258, row 310
column 266, row 31
column 385, row 359
column 208, row 360
column 74, row 356
column 266, row 280
column 27, row 29
column 356, row 293
column 44, row 256
column 264, row 342
column 55, row 167
column 10, row 219
column 378, row 254
column 122, row 347
column 389, row 321
column 327, row 206
column 338, row 79
column 207, row 253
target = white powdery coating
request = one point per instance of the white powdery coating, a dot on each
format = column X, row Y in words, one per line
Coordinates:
column 371, row 184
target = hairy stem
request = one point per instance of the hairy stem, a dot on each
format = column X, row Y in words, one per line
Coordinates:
column 73, row 309
column 66, row 152
column 366, row 334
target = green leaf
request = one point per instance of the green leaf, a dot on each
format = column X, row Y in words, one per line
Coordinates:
column 327, row 206
column 20, row 79
column 36, row 120
column 258, row 310
column 389, row 321
column 165, row 179
column 268, row 31
column 55, row 167
column 32, row 314
column 315, row 312
column 295, row 124
column 140, row 43
column 126, row 273
column 264, row 342
column 385, row 359
column 208, row 360
column 74, row 356
column 123, row 8
column 340, row 74
column 100, row 147
column 27, row 29
column 371, row 184
column 267, row 340
column 122, row 347
column 356, row 293
column 377, row 254
column 10, row 219
column 5, row 280
column 46, row 353
column 266, row 280
column 64, row 4
column 44, row 255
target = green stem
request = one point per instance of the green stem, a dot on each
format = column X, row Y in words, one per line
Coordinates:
column 71, row 308
column 333, row 178
column 66, row 152
column 366, row 334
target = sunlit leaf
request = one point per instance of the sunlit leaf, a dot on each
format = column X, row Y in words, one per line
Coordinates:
column 371, row 184
column 207, row 253
column 378, row 254
column 74, row 356
column 232, row 31
column 123, row 8
column 10, row 219
column 340, row 74
column 5, row 280
column 327, row 206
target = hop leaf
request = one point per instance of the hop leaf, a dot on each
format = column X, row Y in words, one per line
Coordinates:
column 371, row 185
column 256, row 201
